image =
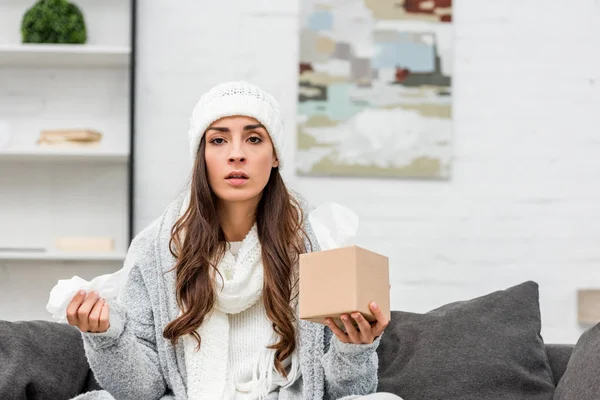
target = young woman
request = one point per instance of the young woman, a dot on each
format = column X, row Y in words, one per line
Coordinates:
column 209, row 310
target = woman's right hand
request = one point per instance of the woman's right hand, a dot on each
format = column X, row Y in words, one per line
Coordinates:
column 88, row 313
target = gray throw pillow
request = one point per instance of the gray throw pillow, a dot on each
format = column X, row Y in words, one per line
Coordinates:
column 42, row 360
column 581, row 380
column 486, row 348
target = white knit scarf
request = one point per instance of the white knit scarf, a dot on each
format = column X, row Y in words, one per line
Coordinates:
column 207, row 369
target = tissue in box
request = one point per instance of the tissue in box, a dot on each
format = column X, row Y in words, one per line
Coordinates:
column 343, row 280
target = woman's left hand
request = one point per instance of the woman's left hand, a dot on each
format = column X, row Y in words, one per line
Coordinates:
column 366, row 332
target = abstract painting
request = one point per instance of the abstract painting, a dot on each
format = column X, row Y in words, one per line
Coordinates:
column 375, row 93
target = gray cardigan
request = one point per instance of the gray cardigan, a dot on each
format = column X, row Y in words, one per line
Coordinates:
column 132, row 360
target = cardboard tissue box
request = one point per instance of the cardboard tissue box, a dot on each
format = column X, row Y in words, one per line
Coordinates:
column 341, row 278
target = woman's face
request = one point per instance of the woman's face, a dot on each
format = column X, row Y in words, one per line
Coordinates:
column 239, row 157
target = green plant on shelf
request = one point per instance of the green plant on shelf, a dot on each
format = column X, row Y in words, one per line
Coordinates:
column 53, row 21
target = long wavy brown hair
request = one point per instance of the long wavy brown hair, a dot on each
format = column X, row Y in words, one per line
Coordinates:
column 279, row 225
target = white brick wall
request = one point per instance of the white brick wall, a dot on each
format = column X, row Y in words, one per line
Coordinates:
column 522, row 203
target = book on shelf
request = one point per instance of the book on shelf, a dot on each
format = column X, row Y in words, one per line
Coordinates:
column 84, row 243
column 69, row 138
column 22, row 249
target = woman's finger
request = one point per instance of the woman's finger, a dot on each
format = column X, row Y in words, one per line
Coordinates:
column 94, row 318
column 104, row 323
column 364, row 327
column 73, row 307
column 83, row 314
column 382, row 320
column 350, row 329
column 337, row 331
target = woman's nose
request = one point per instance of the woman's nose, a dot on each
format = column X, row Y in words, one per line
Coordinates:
column 233, row 159
column 236, row 155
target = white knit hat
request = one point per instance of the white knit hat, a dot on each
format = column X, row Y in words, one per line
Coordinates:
column 237, row 98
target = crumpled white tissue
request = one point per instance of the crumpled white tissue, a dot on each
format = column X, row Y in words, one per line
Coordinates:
column 107, row 286
column 334, row 225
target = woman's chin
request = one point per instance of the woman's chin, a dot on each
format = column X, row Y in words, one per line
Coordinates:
column 237, row 194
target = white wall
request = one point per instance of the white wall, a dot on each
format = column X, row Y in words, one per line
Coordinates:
column 522, row 203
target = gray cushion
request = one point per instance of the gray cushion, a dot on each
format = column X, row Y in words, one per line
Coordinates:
column 42, row 360
column 581, row 380
column 559, row 355
column 489, row 347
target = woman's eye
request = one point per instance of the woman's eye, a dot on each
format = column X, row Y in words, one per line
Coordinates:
column 255, row 139
column 218, row 141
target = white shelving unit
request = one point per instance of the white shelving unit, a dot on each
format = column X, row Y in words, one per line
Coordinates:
column 52, row 192
column 61, row 256
column 64, row 55
column 63, row 155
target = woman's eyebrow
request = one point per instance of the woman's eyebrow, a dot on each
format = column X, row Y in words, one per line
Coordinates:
column 255, row 126
column 246, row 128
column 217, row 128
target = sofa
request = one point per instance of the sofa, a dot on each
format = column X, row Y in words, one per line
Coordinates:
column 488, row 347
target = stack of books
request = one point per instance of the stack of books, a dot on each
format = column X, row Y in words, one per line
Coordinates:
column 69, row 138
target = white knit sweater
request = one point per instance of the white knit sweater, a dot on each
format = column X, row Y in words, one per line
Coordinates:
column 250, row 331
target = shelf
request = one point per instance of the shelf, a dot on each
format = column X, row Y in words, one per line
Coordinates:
column 63, row 55
column 63, row 154
column 60, row 256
